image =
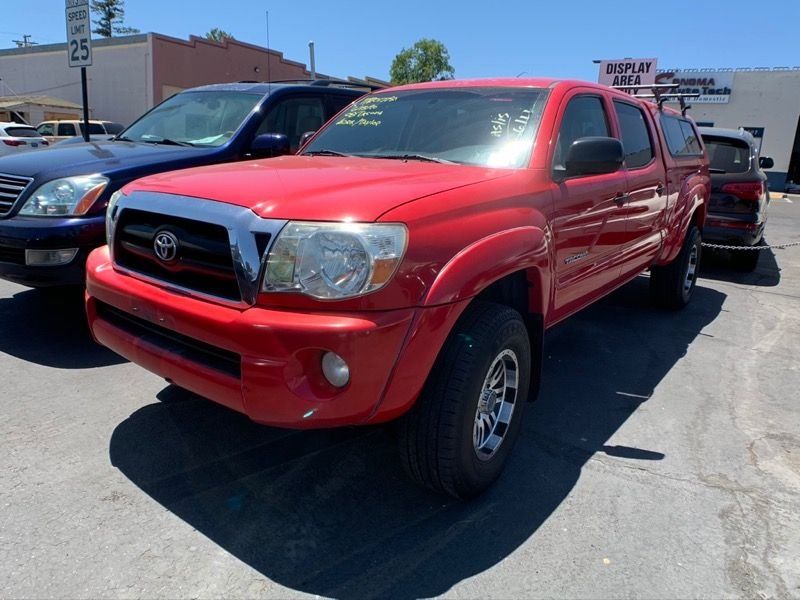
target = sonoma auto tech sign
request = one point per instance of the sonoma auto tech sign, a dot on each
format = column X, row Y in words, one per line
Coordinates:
column 714, row 87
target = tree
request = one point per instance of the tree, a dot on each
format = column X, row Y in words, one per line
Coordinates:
column 424, row 61
column 110, row 18
column 219, row 35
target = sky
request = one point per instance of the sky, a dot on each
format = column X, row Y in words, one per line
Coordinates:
column 554, row 39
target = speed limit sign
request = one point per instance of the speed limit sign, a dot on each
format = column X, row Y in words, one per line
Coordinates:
column 79, row 33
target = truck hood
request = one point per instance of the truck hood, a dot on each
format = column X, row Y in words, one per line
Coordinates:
column 317, row 187
column 95, row 157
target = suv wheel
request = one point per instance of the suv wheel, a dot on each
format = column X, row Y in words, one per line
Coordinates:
column 460, row 433
column 672, row 285
column 746, row 260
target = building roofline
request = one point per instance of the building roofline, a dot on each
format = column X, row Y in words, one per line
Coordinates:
column 729, row 70
column 122, row 40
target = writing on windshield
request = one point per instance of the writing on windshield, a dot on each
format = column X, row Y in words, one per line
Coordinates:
column 492, row 127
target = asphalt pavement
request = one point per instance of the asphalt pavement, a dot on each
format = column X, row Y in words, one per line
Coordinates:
column 662, row 460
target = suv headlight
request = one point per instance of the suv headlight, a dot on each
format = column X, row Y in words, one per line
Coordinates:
column 67, row 196
column 330, row 261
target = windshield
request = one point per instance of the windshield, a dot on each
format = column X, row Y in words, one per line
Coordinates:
column 194, row 118
column 728, row 155
column 491, row 127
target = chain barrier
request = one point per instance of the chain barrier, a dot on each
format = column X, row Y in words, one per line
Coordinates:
column 728, row 247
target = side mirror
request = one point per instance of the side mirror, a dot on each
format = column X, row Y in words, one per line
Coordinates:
column 268, row 145
column 594, row 156
column 305, row 137
column 765, row 162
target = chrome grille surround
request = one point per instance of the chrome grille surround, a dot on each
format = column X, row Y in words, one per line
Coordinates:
column 242, row 225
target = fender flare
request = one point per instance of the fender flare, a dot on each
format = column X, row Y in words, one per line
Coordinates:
column 674, row 242
column 497, row 255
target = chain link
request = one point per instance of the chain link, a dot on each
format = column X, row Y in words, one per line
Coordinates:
column 728, row 247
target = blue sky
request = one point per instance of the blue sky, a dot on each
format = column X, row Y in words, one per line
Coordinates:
column 486, row 38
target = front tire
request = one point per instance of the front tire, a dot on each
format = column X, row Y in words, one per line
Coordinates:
column 458, row 436
column 672, row 285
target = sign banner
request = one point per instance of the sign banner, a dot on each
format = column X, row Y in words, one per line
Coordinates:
column 79, row 33
column 628, row 71
column 714, row 87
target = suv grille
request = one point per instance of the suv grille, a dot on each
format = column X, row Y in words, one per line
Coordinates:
column 11, row 188
column 203, row 260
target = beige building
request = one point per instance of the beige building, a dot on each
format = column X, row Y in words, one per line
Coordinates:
column 33, row 109
column 131, row 74
column 765, row 101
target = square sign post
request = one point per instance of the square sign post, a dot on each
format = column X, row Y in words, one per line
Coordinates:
column 79, row 48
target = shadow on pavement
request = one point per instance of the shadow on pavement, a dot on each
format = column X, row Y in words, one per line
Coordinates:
column 331, row 513
column 48, row 327
column 720, row 265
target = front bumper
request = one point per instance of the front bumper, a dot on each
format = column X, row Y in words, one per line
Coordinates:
column 18, row 234
column 267, row 363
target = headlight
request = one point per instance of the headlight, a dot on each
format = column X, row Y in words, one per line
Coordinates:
column 331, row 261
column 67, row 196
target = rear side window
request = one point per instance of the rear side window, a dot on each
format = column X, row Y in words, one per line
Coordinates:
column 22, row 132
column 585, row 116
column 66, row 129
column 728, row 155
column 635, row 135
column 681, row 136
column 337, row 103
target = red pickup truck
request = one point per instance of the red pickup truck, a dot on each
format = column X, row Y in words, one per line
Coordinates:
column 406, row 263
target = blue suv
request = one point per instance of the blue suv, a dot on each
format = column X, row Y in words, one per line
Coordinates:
column 52, row 202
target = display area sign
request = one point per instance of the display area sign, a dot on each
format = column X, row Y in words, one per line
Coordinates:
column 627, row 71
column 79, row 33
column 714, row 87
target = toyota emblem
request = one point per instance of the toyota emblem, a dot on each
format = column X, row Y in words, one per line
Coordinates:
column 165, row 245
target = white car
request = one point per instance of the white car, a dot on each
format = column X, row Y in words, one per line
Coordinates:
column 15, row 138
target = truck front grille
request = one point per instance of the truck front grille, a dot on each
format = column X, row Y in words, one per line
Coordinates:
column 172, row 342
column 11, row 188
column 203, row 261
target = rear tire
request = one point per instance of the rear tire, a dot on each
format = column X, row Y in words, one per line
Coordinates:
column 746, row 260
column 672, row 285
column 458, row 436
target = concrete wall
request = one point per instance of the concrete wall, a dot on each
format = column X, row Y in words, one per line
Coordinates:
column 120, row 79
column 180, row 64
column 761, row 98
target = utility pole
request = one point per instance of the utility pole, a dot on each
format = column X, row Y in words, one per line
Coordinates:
column 312, row 59
column 25, row 42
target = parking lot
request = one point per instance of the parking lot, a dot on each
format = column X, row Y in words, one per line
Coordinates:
column 662, row 459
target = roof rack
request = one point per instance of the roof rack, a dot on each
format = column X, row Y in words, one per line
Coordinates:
column 660, row 93
column 681, row 98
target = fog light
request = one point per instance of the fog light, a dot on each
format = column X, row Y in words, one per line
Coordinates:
column 49, row 258
column 335, row 369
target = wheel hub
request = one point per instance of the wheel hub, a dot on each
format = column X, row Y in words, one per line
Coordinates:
column 496, row 404
column 487, row 402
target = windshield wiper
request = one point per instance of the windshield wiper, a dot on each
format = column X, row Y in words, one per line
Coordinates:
column 713, row 170
column 325, row 152
column 121, row 138
column 420, row 157
column 168, row 142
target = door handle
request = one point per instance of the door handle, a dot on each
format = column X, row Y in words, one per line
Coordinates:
column 621, row 198
column 660, row 189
